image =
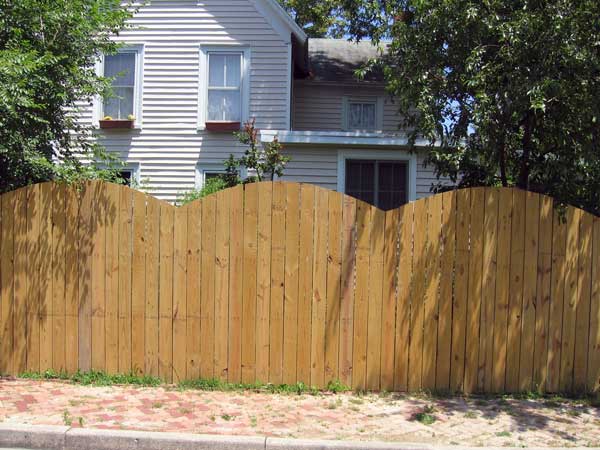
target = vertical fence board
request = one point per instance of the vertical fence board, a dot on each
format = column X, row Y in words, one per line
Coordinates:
column 390, row 295
column 193, row 311
column 207, row 286
column 361, row 299
column 461, row 291
column 263, row 280
column 528, row 323
column 375, row 301
column 515, row 290
column 72, row 280
column 347, row 286
column 445, row 312
column 151, row 311
column 319, row 291
column 222, row 284
column 180, row 233
column 165, row 293
column 20, row 330
column 277, row 284
column 112, row 279
column 430, row 320
column 290, row 311
column 305, row 280
column 593, row 375
column 98, row 277
column 7, row 283
column 58, row 270
column 236, row 260
column 419, row 286
column 138, row 282
column 125, row 273
column 44, row 281
column 542, row 297
column 30, row 283
column 85, row 276
column 559, row 246
column 249, row 283
column 567, row 351
column 404, row 272
column 582, row 319
column 488, row 292
column 334, row 265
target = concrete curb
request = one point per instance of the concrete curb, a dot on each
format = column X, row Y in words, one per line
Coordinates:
column 65, row 438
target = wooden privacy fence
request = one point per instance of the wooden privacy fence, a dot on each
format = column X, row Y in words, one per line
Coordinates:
column 472, row 290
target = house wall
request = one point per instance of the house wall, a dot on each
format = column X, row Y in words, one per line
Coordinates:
column 320, row 106
column 319, row 165
column 169, row 146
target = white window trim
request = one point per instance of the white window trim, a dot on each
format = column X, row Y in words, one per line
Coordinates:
column 138, row 49
column 395, row 155
column 134, row 167
column 203, row 79
column 378, row 101
column 203, row 168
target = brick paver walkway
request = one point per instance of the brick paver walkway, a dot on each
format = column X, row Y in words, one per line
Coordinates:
column 345, row 416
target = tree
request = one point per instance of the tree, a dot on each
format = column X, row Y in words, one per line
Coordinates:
column 507, row 89
column 318, row 18
column 48, row 52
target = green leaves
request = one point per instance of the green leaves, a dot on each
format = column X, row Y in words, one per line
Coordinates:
column 48, row 52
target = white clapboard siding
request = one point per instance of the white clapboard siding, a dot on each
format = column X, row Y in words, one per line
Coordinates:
column 168, row 147
column 319, row 165
column 320, row 107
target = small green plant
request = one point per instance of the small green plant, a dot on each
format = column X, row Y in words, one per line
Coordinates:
column 80, row 420
column 470, row 415
column 336, row 386
column 226, row 417
column 503, row 434
column 426, row 417
column 253, row 421
column 67, row 420
column 95, row 378
column 157, row 405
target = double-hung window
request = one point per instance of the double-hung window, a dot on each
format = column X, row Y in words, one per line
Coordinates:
column 124, row 68
column 223, row 86
column 363, row 114
column 383, row 183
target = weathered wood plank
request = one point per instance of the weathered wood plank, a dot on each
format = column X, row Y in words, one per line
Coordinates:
column 292, row 253
column 112, row 278
column 305, row 280
column 180, row 234
column 593, row 375
column 319, row 291
column 375, row 306
column 347, row 286
column 151, row 311
column 194, row 292
column 98, row 235
column 207, row 286
column 405, row 286
column 334, row 266
column 7, row 267
column 543, row 295
column 249, row 294
column 72, row 280
column 138, row 282
column 515, row 290
column 85, row 278
column 528, row 312
column 58, row 277
column 236, row 277
column 277, row 284
column 461, row 291
column 445, row 313
column 165, row 293
column 222, row 284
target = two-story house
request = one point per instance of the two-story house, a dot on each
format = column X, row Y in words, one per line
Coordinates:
column 192, row 71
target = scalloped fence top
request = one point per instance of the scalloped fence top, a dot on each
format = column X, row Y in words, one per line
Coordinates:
column 474, row 290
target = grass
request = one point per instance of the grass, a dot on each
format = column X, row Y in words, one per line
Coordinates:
column 99, row 378
column 426, row 417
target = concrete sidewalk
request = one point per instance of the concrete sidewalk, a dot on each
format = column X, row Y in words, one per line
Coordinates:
column 66, row 438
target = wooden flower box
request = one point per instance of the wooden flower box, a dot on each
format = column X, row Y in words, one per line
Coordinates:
column 116, row 124
column 223, row 127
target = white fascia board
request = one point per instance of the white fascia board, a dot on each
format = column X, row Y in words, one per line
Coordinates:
column 339, row 138
column 279, row 19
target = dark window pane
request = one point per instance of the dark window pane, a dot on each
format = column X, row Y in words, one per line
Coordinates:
column 360, row 179
column 126, row 175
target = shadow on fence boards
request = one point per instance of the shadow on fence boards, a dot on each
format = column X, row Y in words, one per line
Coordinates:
column 473, row 290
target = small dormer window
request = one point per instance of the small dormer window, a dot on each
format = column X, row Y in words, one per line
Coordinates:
column 362, row 114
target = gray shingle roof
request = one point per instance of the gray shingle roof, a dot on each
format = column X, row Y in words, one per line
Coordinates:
column 336, row 60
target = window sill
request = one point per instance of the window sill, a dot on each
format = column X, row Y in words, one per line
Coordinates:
column 116, row 124
column 222, row 127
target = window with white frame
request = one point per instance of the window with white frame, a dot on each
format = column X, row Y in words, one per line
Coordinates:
column 130, row 174
column 124, row 68
column 208, row 171
column 362, row 114
column 224, row 87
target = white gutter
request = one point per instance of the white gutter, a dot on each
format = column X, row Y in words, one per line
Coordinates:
column 340, row 137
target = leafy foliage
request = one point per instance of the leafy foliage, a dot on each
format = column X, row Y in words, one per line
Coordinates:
column 266, row 160
column 48, row 52
column 507, row 90
column 211, row 186
column 318, row 18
